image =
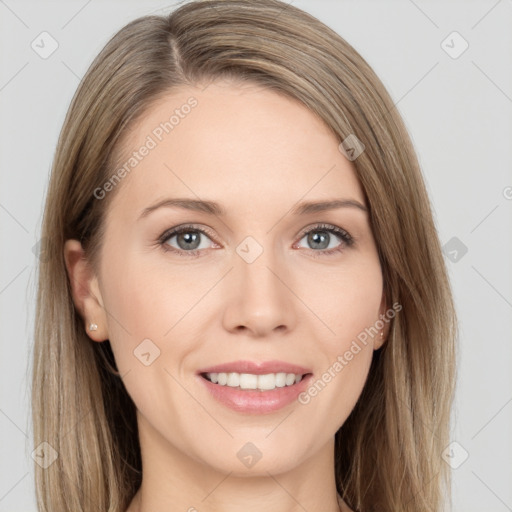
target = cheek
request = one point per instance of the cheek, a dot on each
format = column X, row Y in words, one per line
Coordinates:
column 147, row 297
column 342, row 383
column 144, row 303
column 335, row 389
column 351, row 305
column 132, row 306
column 347, row 300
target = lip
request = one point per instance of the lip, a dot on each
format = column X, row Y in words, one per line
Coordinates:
column 256, row 368
column 256, row 401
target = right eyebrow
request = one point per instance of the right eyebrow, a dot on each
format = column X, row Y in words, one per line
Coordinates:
column 209, row 207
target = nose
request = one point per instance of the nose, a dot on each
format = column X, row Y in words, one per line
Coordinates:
column 259, row 298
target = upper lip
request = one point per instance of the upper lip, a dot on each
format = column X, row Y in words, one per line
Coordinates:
column 256, row 368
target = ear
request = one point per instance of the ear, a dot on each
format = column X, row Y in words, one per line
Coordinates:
column 85, row 290
column 380, row 340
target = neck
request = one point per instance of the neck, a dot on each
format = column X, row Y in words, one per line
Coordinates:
column 174, row 480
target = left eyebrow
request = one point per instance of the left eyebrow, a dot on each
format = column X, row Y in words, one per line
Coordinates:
column 213, row 208
column 321, row 206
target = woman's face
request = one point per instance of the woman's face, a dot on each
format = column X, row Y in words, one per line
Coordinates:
column 241, row 286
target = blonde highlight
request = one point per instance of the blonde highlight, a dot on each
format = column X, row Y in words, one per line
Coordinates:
column 388, row 452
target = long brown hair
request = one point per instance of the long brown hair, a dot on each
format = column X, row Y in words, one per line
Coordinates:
column 388, row 452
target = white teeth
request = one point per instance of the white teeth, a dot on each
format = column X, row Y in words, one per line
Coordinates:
column 290, row 379
column 248, row 380
column 233, row 380
column 251, row 381
column 280, row 380
column 267, row 381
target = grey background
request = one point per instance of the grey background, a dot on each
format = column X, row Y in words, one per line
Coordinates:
column 458, row 111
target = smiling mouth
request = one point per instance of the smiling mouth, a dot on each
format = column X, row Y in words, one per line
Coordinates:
column 253, row 382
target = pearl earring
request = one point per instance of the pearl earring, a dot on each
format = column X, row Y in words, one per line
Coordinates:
column 93, row 327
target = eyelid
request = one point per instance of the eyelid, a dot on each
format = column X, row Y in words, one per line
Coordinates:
column 346, row 238
column 319, row 226
column 176, row 230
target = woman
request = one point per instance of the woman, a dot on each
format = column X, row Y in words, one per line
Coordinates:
column 245, row 305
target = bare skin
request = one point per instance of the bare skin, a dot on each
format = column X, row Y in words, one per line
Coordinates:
column 258, row 154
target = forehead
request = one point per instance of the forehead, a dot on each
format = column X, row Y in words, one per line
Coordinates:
column 238, row 140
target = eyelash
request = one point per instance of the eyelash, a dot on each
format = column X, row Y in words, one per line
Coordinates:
column 347, row 239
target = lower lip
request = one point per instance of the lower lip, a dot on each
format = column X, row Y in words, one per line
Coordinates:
column 255, row 401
